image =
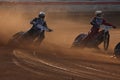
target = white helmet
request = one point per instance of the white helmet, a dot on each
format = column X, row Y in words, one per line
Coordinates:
column 98, row 13
column 42, row 14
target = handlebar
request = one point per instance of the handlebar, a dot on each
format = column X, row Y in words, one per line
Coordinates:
column 106, row 28
column 42, row 28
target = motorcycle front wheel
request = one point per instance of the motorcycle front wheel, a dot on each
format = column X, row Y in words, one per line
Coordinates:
column 117, row 50
column 106, row 40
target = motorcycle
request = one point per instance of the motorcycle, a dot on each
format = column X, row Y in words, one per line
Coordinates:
column 25, row 39
column 102, row 36
column 117, row 50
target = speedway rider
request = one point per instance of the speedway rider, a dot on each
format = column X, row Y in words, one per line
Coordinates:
column 96, row 22
column 39, row 27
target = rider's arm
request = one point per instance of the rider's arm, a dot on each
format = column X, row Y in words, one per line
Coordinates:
column 45, row 24
column 108, row 24
column 94, row 23
column 33, row 21
column 48, row 29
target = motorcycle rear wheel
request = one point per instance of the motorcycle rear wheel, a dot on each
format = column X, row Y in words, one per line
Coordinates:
column 78, row 40
column 14, row 40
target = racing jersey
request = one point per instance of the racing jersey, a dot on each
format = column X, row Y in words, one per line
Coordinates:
column 96, row 22
column 38, row 23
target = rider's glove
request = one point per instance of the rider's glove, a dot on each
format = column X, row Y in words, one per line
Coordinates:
column 50, row 30
column 114, row 27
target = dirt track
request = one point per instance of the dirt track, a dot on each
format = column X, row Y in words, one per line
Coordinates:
column 58, row 64
column 55, row 60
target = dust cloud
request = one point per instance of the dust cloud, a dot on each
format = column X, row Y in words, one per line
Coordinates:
column 17, row 18
column 66, row 26
column 57, row 44
column 11, row 21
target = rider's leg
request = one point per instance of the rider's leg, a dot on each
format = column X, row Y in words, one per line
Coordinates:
column 33, row 33
column 40, row 38
column 91, row 35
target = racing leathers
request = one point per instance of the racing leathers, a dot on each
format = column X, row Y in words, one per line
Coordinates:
column 96, row 23
column 38, row 28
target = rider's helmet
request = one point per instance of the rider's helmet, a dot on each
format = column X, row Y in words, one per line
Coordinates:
column 42, row 15
column 98, row 13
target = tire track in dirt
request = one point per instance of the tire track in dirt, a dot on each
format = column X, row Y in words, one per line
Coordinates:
column 63, row 68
